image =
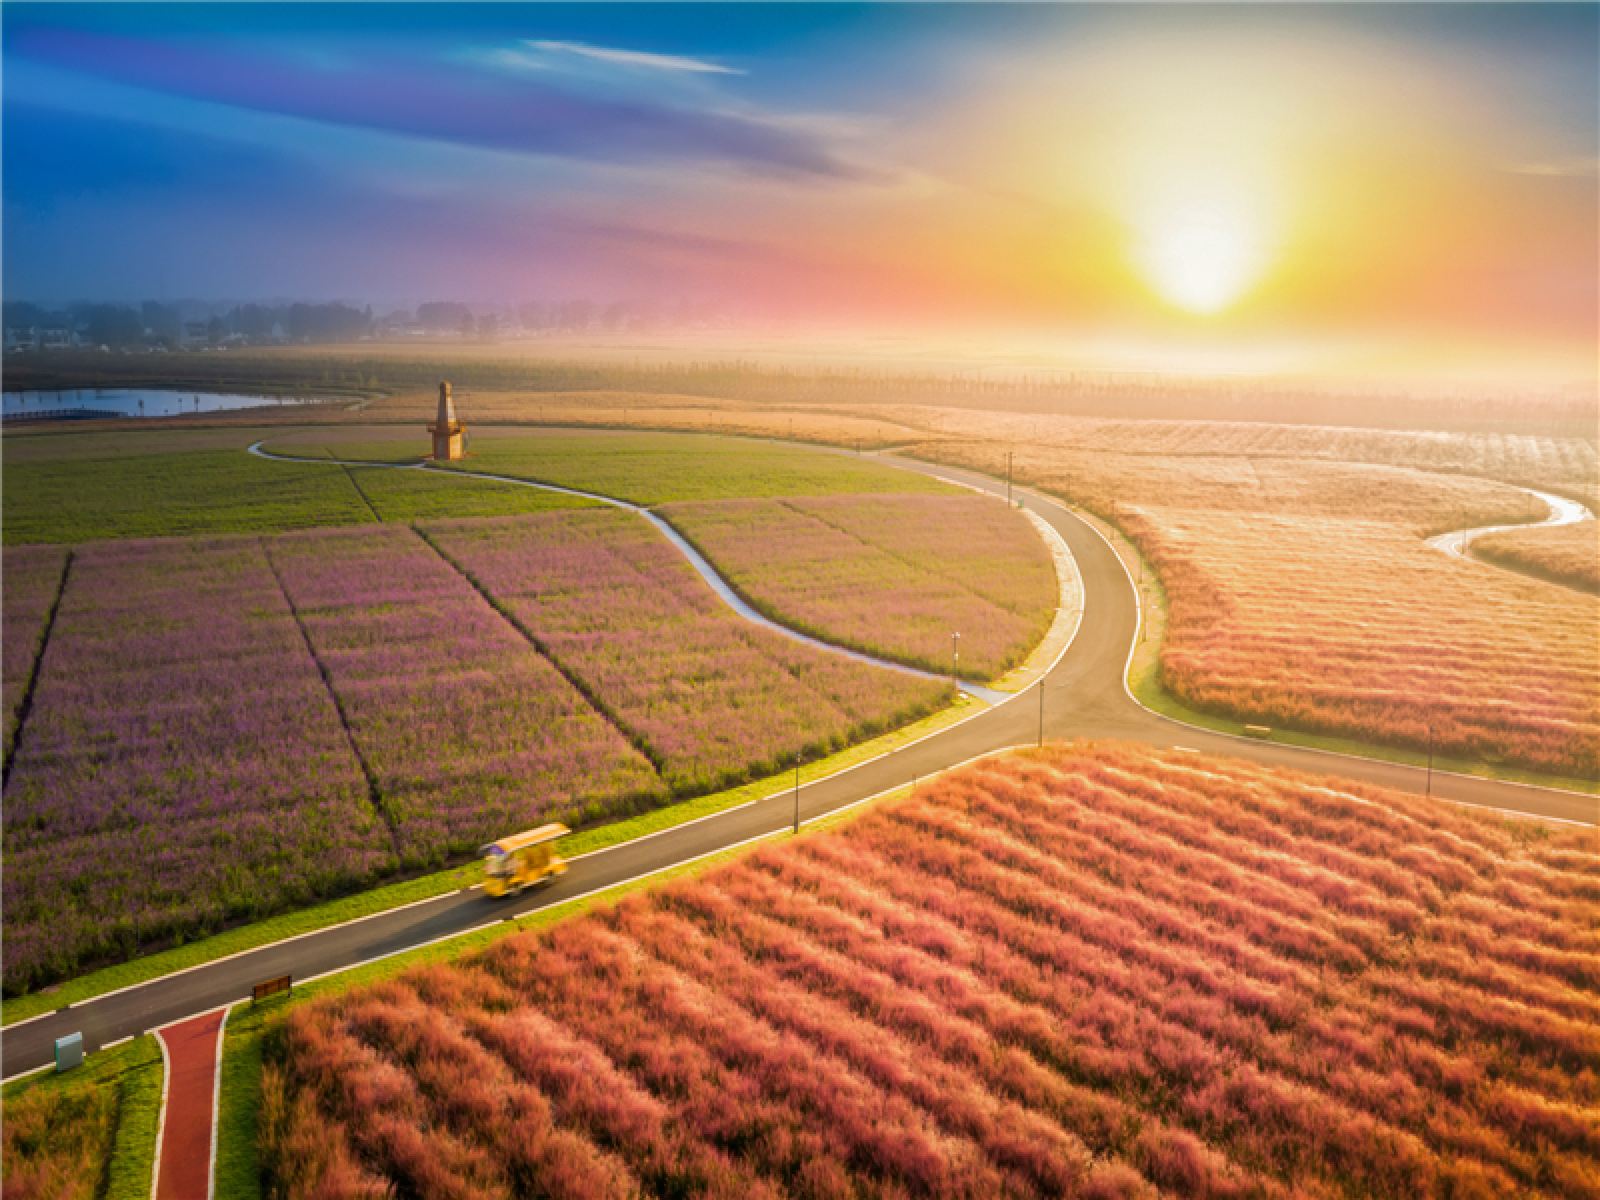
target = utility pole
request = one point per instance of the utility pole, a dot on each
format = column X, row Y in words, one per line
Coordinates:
column 955, row 654
column 1430, row 760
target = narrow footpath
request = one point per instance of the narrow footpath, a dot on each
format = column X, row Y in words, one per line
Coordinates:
column 192, row 1051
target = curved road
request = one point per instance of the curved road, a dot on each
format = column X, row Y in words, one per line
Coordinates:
column 1084, row 695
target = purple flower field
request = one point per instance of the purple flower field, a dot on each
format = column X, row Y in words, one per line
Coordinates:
column 838, row 566
column 182, row 765
column 32, row 576
column 224, row 728
column 715, row 699
column 469, row 731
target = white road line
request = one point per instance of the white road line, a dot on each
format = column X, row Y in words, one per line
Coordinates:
column 216, row 1104
column 161, row 1124
column 211, row 962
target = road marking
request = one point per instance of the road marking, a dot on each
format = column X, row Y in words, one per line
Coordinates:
column 161, row 1125
column 211, row 962
column 216, row 1104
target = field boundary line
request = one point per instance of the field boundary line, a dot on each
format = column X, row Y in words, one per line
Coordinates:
column 374, row 792
column 634, row 738
column 25, row 707
column 362, row 492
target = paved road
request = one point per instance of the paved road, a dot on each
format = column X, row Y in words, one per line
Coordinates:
column 1084, row 696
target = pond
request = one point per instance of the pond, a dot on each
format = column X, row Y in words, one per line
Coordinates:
column 87, row 403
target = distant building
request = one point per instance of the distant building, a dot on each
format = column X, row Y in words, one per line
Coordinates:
column 449, row 434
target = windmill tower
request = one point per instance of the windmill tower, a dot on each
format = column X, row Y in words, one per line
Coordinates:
column 448, row 433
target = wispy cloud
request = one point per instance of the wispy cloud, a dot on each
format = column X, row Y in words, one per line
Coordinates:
column 423, row 98
column 1576, row 166
column 640, row 59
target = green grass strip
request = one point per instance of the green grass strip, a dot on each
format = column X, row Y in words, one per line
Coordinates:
column 394, row 895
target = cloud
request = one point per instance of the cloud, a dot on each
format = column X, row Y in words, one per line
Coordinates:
column 424, row 98
column 1576, row 166
column 633, row 58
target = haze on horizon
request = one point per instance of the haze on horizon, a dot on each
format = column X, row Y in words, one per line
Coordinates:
column 1289, row 185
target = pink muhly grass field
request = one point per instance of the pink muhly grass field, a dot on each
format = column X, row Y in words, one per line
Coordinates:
column 892, row 575
column 468, row 730
column 1303, row 593
column 182, row 765
column 1092, row 970
column 714, row 699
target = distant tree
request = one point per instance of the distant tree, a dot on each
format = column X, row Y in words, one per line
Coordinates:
column 441, row 315
column 161, row 321
column 114, row 325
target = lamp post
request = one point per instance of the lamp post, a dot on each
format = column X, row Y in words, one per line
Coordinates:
column 1430, row 760
column 955, row 654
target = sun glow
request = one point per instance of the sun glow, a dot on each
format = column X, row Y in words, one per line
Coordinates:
column 1200, row 240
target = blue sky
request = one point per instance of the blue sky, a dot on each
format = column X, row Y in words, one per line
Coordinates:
column 783, row 157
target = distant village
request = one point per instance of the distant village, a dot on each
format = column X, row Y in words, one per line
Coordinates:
column 157, row 327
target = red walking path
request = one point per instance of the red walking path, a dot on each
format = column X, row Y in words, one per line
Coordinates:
column 183, row 1155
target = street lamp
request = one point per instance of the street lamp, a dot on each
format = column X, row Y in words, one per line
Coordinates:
column 1430, row 760
column 955, row 654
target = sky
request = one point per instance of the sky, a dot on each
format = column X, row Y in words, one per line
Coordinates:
column 1416, row 180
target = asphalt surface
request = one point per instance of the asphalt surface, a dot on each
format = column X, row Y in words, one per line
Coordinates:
column 1083, row 696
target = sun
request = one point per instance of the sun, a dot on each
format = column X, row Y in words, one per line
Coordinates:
column 1200, row 242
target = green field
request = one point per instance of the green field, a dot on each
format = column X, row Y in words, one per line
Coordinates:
column 78, row 488
column 654, row 468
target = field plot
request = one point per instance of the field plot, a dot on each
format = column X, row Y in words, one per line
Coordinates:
column 653, row 468
column 713, row 699
column 1569, row 465
column 183, row 763
column 91, row 486
column 33, row 577
column 1392, row 656
column 895, row 576
column 56, row 1144
column 401, row 496
column 1568, row 554
column 1303, row 595
column 468, row 731
column 1091, row 970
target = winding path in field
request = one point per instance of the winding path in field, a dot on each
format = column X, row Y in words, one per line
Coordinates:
column 1083, row 694
column 1458, row 543
column 724, row 590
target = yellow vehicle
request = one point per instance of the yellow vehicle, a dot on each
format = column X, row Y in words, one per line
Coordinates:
column 515, row 862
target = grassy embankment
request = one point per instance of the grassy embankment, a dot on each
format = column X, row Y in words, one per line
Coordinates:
column 90, row 1131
